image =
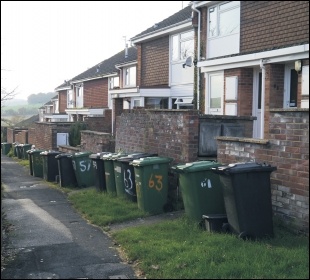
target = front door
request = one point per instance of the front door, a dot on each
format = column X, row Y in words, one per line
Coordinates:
column 257, row 104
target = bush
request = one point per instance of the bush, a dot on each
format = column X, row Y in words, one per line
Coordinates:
column 75, row 133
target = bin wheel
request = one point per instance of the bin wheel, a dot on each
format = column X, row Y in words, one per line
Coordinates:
column 244, row 235
column 225, row 228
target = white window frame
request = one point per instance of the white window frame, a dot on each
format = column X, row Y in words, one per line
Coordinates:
column 130, row 76
column 220, row 110
column 220, row 10
column 228, row 43
column 113, row 82
column 178, row 41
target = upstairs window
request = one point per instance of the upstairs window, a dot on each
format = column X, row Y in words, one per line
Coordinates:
column 224, row 19
column 130, row 76
column 182, row 46
column 114, row 82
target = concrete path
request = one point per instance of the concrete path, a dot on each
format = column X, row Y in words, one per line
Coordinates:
column 49, row 238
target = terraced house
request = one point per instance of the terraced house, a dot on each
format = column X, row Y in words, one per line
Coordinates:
column 218, row 79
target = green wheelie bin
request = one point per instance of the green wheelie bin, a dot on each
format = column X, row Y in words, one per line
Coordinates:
column 19, row 151
column 67, row 176
column 201, row 189
column 83, row 169
column 108, row 161
column 36, row 162
column 24, row 148
column 247, row 196
column 151, row 176
column 125, row 179
column 98, row 168
column 6, row 147
column 50, row 165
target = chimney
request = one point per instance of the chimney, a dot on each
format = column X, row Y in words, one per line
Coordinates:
column 126, row 50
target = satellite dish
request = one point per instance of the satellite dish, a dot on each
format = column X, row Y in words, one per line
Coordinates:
column 188, row 62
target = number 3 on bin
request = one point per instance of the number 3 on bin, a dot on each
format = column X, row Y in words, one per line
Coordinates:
column 158, row 184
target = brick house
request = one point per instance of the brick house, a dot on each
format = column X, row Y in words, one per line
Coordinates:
column 252, row 57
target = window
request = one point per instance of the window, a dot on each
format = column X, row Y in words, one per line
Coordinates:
column 182, row 45
column 130, row 76
column 156, row 103
column 216, row 91
column 136, row 103
column 224, row 19
column 223, row 29
column 114, row 82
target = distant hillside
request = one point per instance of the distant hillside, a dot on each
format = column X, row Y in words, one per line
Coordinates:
column 14, row 102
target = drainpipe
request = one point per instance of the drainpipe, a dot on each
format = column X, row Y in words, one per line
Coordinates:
column 198, row 53
column 262, row 66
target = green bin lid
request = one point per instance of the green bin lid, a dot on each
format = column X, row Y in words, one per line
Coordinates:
column 80, row 154
column 195, row 166
column 150, row 161
column 109, row 156
column 244, row 167
column 134, row 156
column 98, row 155
column 49, row 153
column 34, row 151
column 62, row 155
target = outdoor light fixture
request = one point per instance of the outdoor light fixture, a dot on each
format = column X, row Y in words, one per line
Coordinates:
column 298, row 66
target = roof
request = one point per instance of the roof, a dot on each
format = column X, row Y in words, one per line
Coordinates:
column 107, row 67
column 65, row 84
column 183, row 15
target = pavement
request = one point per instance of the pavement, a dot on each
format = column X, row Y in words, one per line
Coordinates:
column 48, row 239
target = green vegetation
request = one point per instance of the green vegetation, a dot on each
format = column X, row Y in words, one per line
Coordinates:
column 180, row 249
column 20, row 110
column 75, row 134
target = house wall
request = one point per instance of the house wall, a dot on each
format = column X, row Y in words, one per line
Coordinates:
column 96, row 93
column 288, row 150
column 168, row 133
column 97, row 142
column 100, row 124
column 245, row 89
column 268, row 25
column 154, row 71
column 62, row 99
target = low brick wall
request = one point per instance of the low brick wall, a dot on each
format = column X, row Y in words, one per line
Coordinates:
column 168, row 133
column 288, row 150
column 96, row 142
column 17, row 135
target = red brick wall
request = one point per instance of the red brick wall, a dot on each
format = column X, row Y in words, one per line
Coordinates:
column 100, row 124
column 288, row 150
column 272, row 24
column 22, row 137
column 62, row 99
column 45, row 134
column 32, row 136
column 155, row 67
column 168, row 133
column 96, row 93
column 96, row 142
column 17, row 135
column 245, row 89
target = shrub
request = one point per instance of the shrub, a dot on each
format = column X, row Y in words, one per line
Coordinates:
column 75, row 133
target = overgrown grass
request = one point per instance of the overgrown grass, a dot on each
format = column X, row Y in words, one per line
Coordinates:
column 179, row 249
column 104, row 208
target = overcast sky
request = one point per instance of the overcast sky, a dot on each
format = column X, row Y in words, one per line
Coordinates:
column 44, row 43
